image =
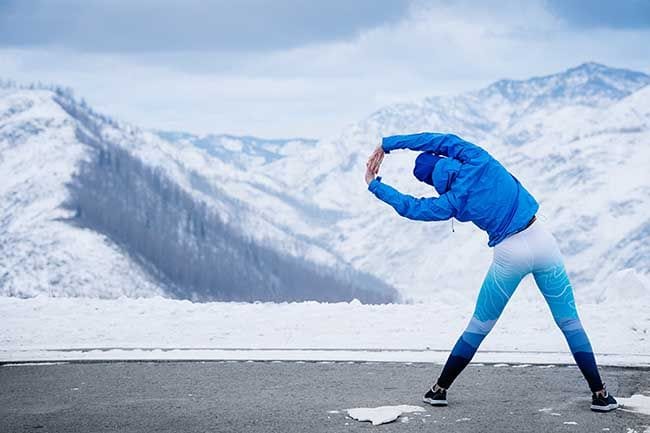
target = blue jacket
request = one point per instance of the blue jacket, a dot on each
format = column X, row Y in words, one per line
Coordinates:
column 472, row 185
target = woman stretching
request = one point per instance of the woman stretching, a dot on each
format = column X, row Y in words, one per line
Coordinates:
column 473, row 186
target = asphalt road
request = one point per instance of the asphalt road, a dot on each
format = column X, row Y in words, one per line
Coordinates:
column 298, row 397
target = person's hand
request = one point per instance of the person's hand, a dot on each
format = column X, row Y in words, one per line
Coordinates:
column 375, row 160
column 369, row 175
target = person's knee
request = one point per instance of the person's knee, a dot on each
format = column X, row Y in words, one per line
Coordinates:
column 479, row 326
column 568, row 324
column 477, row 330
column 575, row 334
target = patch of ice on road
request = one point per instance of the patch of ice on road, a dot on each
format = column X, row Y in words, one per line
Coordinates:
column 382, row 414
column 463, row 419
column 545, row 409
column 556, row 414
column 501, row 365
column 637, row 403
column 521, row 366
column 404, row 419
column 570, row 423
column 606, row 429
column 333, row 411
column 546, row 366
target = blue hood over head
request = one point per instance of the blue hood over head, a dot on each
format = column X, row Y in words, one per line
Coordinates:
column 424, row 165
column 435, row 170
column 444, row 174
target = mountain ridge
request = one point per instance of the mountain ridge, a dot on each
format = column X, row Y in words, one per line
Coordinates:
column 580, row 149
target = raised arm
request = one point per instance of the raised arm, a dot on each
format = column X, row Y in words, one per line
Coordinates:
column 442, row 144
column 421, row 209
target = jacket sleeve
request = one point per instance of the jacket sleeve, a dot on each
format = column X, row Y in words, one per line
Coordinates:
column 442, row 144
column 421, row 209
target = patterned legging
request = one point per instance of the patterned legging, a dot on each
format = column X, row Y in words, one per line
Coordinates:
column 535, row 251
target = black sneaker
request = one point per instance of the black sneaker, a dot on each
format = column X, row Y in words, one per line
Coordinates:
column 603, row 403
column 436, row 398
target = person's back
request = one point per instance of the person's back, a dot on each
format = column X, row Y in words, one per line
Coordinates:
column 472, row 185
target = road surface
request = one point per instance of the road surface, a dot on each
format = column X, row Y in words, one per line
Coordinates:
column 288, row 397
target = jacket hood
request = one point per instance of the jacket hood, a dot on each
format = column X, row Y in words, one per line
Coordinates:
column 444, row 174
column 424, row 165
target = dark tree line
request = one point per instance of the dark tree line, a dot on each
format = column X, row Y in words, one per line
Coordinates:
column 184, row 243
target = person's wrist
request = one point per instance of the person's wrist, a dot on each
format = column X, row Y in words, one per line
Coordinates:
column 373, row 183
column 383, row 149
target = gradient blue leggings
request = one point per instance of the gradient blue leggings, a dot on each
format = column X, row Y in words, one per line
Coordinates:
column 535, row 251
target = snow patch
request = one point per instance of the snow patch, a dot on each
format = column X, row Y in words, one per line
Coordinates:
column 382, row 414
column 637, row 403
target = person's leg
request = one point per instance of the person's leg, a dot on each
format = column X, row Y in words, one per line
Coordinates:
column 498, row 286
column 554, row 284
column 553, row 281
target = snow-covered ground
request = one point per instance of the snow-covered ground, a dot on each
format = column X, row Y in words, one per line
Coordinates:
column 44, row 328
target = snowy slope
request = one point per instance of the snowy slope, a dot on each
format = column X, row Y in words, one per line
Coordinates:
column 39, row 252
column 80, row 191
column 578, row 140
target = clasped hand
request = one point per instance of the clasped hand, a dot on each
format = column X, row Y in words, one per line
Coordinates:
column 373, row 164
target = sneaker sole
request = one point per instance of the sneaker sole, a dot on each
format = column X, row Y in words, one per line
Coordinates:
column 433, row 402
column 607, row 408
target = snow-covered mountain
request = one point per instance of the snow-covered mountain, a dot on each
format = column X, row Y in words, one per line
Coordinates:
column 241, row 152
column 92, row 207
column 579, row 140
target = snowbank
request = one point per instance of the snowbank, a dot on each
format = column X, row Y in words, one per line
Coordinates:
column 71, row 328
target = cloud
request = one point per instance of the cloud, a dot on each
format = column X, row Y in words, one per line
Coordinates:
column 190, row 25
column 628, row 14
column 316, row 87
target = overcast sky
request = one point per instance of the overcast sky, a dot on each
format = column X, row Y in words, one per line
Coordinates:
column 301, row 68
